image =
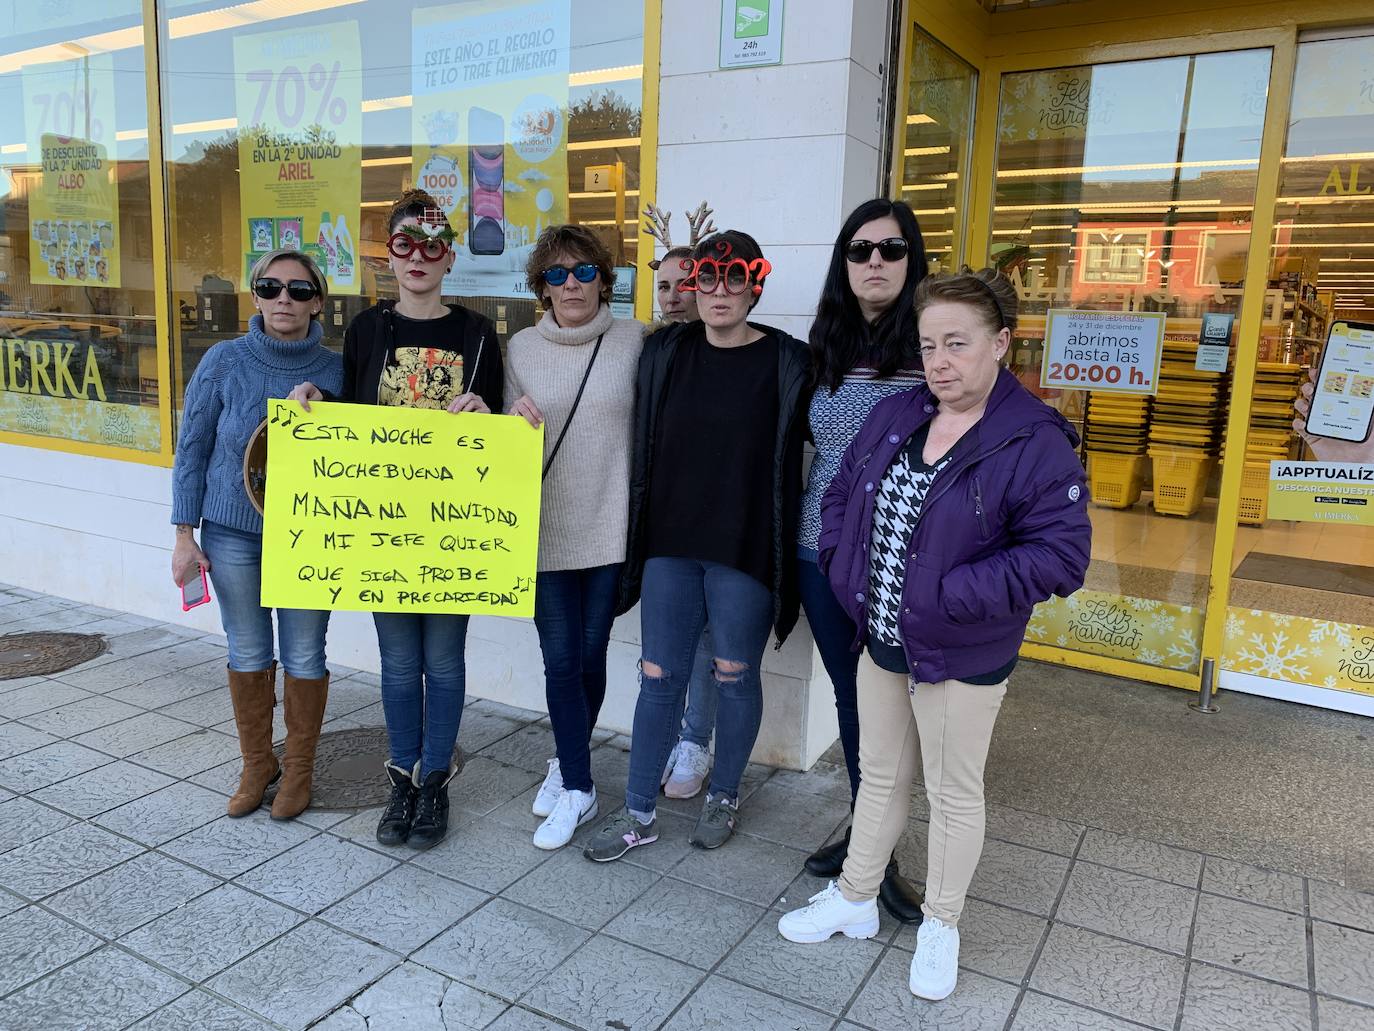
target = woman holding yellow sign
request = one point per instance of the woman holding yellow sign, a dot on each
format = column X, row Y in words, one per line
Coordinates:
column 419, row 352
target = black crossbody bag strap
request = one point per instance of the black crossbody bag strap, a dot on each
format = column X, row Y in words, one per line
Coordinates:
column 576, row 400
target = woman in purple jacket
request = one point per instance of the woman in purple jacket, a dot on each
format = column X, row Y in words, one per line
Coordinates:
column 959, row 506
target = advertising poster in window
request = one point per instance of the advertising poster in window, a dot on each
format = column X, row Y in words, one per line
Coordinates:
column 298, row 96
column 69, row 120
column 490, row 110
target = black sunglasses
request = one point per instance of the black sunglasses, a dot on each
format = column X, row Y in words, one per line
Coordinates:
column 894, row 248
column 297, row 289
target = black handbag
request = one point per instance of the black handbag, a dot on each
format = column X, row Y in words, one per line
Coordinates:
column 576, row 400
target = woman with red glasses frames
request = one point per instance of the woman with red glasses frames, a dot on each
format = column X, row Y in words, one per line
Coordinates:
column 224, row 403
column 714, row 493
column 419, row 352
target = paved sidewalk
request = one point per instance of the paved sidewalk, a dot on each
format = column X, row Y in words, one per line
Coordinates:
column 127, row 898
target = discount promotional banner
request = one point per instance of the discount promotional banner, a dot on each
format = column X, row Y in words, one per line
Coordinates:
column 490, row 86
column 298, row 95
column 1103, row 350
column 69, row 118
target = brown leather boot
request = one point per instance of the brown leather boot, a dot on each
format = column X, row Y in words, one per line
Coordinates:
column 254, row 696
column 304, row 701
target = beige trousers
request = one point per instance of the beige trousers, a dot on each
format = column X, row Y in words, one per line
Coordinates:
column 953, row 722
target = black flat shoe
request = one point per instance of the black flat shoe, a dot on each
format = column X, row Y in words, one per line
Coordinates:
column 828, row 860
column 900, row 897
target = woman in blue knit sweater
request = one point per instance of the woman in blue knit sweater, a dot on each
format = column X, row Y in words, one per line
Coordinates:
column 225, row 401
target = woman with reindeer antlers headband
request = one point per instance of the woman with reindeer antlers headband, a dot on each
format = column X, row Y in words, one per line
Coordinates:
column 714, row 493
column 419, row 352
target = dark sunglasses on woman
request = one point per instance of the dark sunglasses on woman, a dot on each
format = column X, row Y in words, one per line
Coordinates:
column 894, row 248
column 583, row 272
column 403, row 245
column 298, row 289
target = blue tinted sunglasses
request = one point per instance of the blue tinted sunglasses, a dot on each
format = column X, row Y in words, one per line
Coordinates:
column 583, row 272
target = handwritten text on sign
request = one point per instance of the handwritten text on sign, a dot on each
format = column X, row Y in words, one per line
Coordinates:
column 1103, row 350
column 400, row 510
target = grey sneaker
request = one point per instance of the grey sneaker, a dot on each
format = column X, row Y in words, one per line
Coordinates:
column 716, row 823
column 618, row 835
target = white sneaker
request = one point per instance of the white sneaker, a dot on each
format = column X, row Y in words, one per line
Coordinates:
column 549, row 790
column 935, row 967
column 828, row 913
column 571, row 811
column 668, row 766
column 689, row 771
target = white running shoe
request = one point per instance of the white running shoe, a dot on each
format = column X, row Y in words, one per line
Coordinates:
column 571, row 811
column 689, row 771
column 935, row 967
column 830, row 912
column 668, row 766
column 549, row 790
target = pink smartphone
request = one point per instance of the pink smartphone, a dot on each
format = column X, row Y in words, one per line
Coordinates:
column 195, row 591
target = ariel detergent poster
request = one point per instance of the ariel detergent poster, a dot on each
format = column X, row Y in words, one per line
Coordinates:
column 490, row 87
column 298, row 95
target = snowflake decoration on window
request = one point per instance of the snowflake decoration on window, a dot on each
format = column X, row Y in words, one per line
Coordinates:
column 1185, row 650
column 1163, row 622
column 1273, row 656
column 1328, row 630
column 1151, row 657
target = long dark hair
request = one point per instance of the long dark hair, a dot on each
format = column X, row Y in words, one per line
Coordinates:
column 840, row 337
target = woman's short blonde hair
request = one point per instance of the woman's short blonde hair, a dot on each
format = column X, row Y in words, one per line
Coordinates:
column 261, row 266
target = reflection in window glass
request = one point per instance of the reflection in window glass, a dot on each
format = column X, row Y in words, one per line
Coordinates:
column 303, row 121
column 1129, row 187
column 935, row 144
column 78, row 351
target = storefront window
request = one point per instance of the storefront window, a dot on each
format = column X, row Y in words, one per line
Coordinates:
column 934, row 136
column 1302, row 601
column 78, row 342
column 300, row 123
column 1128, row 188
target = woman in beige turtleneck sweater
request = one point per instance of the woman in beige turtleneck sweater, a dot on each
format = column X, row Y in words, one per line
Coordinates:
column 582, row 520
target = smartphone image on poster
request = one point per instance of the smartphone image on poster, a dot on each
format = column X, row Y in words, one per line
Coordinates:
column 487, row 182
column 1343, row 397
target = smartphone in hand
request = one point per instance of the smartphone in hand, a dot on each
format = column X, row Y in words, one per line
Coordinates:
column 195, row 591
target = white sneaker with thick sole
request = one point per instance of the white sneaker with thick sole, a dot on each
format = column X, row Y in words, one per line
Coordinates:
column 689, row 771
column 935, row 967
column 549, row 791
column 571, row 811
column 830, row 913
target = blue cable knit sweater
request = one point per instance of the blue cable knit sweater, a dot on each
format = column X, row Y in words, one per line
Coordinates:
column 225, row 401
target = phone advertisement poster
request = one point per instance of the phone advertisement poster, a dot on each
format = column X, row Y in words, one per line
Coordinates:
column 1322, row 492
column 1103, row 350
column 69, row 118
column 298, row 96
column 490, row 88
column 1343, row 402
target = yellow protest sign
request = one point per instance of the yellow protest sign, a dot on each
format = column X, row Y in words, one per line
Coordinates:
column 381, row 509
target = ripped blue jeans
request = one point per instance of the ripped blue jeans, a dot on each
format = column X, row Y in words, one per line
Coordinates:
column 679, row 595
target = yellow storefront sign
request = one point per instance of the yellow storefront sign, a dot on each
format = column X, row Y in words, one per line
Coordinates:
column 1298, row 650
column 1122, row 627
column 400, row 510
column 1322, row 492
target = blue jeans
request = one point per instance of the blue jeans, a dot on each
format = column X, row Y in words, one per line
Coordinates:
column 699, row 722
column 834, row 632
column 424, row 683
column 236, row 573
column 679, row 595
column 573, row 612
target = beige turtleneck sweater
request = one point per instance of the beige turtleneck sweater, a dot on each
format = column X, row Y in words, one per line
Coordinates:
column 584, row 509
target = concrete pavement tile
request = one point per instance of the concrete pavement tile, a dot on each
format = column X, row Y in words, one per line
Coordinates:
column 503, row 948
column 316, row 873
column 1253, row 884
column 1137, row 856
column 1105, row 974
column 482, row 854
column 23, row 820
column 210, row 932
column 61, row 859
column 1136, row 908
column 198, row 751
column 165, row 814
column 418, row 999
column 1041, row 1013
column 202, row 1012
column 529, row 746
column 886, row 1001
column 1344, row 959
column 175, row 687
column 517, row 1019
column 203, row 709
column 1033, row 830
column 129, row 895
column 1020, row 877
column 102, row 789
column 404, row 908
column 479, row 730
column 993, row 940
column 748, row 868
column 827, row 779
column 136, row 734
column 81, row 715
column 40, row 697
column 583, row 893
column 685, row 922
column 1335, row 1015
column 16, row 738
column 1219, row 1000
column 485, row 784
column 609, row 983
column 721, row 1005
column 229, row 847
column 105, row 991
column 146, row 665
column 33, row 942
column 49, row 764
column 825, row 975
column 787, row 817
column 1252, row 939
column 1337, row 905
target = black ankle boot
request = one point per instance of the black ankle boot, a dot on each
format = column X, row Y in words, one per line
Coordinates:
column 431, row 811
column 394, row 826
column 900, row 897
column 828, row 860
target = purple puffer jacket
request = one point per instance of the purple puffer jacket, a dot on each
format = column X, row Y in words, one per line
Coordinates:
column 1002, row 529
